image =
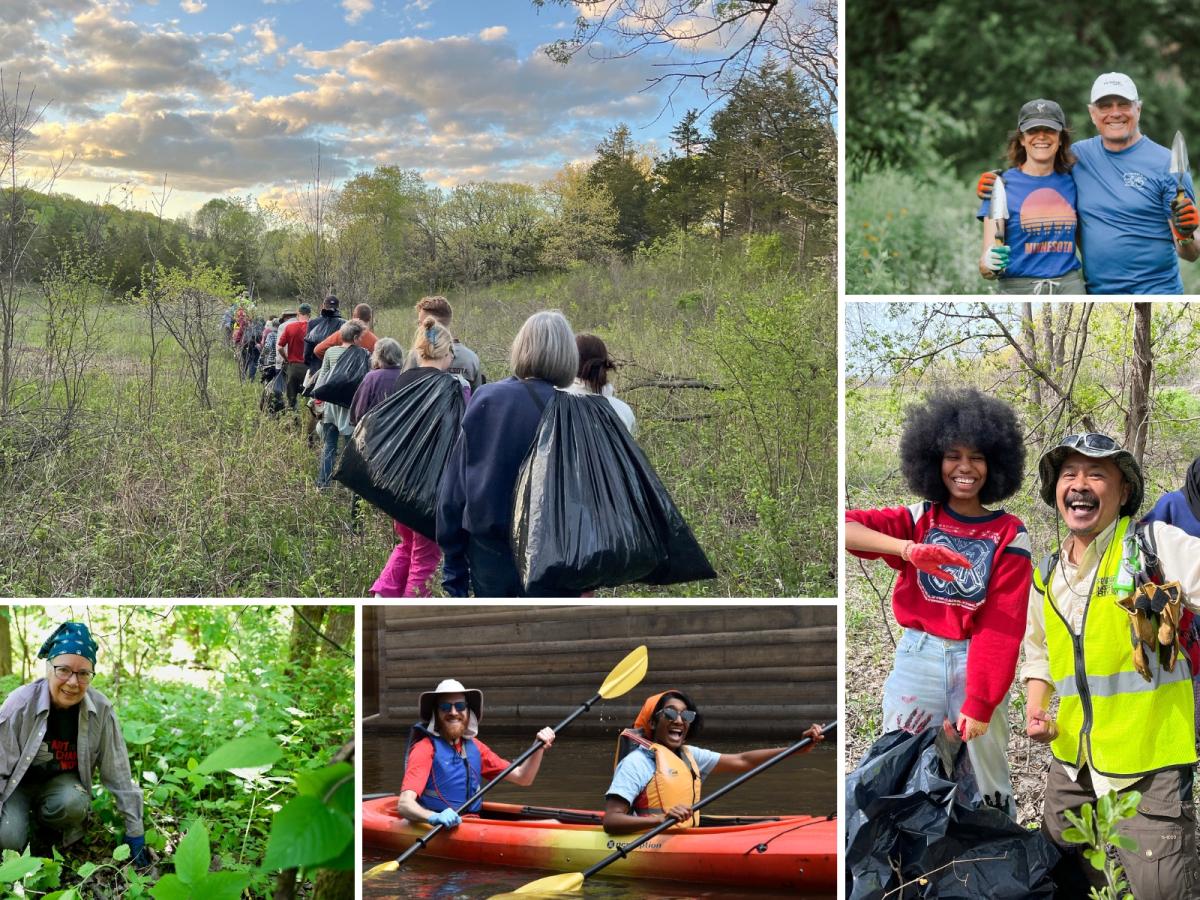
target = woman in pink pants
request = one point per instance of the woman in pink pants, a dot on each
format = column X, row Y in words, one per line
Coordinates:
column 410, row 569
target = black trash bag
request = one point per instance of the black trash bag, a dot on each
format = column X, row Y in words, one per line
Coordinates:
column 589, row 511
column 913, row 804
column 345, row 377
column 319, row 328
column 398, row 451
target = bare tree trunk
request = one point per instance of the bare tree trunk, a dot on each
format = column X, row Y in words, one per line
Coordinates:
column 306, row 631
column 1137, row 421
column 339, row 629
column 6, row 667
column 1029, row 333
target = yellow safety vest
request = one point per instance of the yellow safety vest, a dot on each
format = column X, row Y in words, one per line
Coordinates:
column 1108, row 715
column 676, row 778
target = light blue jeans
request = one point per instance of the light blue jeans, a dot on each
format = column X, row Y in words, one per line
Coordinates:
column 927, row 686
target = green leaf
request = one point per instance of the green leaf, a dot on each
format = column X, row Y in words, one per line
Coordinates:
column 1073, row 836
column 121, row 852
column 1096, row 858
column 85, row 871
column 1125, row 843
column 68, row 894
column 193, row 856
column 338, row 778
column 17, row 868
column 169, row 887
column 306, row 832
column 225, row 885
column 241, row 753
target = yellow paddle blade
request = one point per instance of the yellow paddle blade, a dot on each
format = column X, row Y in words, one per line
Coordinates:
column 627, row 675
column 381, row 869
column 565, row 883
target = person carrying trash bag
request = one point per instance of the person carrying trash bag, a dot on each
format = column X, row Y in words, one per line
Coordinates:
column 410, row 569
column 475, row 502
column 964, row 575
column 1102, row 634
column 335, row 406
column 590, row 511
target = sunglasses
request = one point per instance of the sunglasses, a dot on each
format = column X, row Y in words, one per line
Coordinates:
column 1089, row 441
column 457, row 706
column 674, row 715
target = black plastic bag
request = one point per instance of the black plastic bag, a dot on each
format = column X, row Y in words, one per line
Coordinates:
column 589, row 510
column 345, row 377
column 398, row 451
column 913, row 807
column 319, row 328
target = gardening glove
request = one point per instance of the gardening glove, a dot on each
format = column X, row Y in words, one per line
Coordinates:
column 447, row 817
column 930, row 558
column 1143, row 634
column 1169, row 600
column 996, row 258
column 137, row 851
column 983, row 187
column 1184, row 217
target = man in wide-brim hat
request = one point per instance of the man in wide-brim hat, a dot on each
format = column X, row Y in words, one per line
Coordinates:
column 1124, row 718
column 445, row 762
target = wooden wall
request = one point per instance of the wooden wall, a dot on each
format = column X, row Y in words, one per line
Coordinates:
column 752, row 669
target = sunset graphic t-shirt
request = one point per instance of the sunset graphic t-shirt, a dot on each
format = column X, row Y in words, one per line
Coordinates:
column 1041, row 224
column 59, row 751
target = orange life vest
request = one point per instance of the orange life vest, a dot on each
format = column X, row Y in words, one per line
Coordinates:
column 676, row 777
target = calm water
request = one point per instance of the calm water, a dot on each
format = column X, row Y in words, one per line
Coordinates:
column 575, row 773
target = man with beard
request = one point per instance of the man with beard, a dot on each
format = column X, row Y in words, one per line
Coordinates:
column 1124, row 718
column 445, row 762
column 54, row 734
column 658, row 773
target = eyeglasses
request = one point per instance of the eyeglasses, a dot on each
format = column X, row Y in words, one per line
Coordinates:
column 457, row 706
column 64, row 673
column 674, row 715
column 1089, row 440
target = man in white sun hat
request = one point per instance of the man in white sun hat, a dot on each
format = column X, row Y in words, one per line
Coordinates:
column 445, row 762
column 1134, row 226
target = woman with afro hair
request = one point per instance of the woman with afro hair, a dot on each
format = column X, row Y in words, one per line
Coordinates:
column 964, row 574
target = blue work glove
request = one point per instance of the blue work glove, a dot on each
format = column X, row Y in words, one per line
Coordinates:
column 447, row 817
column 137, row 851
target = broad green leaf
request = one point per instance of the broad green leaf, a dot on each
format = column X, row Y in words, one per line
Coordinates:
column 193, row 855
column 150, row 776
column 306, row 832
column 68, row 894
column 1073, row 836
column 225, row 885
column 1096, row 858
column 169, row 887
column 1125, row 843
column 121, row 852
column 317, row 782
column 84, row 872
column 17, row 868
column 241, row 753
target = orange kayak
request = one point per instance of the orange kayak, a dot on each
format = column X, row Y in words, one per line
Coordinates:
column 794, row 852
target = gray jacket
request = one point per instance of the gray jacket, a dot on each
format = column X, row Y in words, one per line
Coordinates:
column 23, row 720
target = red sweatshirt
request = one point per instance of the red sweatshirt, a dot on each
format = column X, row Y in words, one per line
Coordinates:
column 986, row 604
column 290, row 343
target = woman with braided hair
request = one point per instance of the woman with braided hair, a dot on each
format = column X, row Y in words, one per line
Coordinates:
column 962, row 590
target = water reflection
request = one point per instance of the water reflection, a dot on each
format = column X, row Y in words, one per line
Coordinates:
column 575, row 774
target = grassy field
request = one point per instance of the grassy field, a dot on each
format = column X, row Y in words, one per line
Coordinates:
column 151, row 495
column 911, row 235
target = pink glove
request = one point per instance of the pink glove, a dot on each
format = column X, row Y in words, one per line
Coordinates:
column 931, row 558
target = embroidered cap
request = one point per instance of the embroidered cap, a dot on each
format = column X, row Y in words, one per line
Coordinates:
column 1041, row 114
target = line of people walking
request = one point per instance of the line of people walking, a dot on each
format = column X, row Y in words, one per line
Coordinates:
column 302, row 356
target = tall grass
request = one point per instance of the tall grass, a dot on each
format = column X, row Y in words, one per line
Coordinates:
column 152, row 496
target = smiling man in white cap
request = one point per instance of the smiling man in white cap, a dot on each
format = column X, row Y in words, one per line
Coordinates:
column 1132, row 231
column 445, row 762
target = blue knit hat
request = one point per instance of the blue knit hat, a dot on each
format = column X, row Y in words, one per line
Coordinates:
column 69, row 637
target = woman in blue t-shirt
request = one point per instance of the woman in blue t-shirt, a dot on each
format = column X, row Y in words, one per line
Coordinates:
column 1038, row 254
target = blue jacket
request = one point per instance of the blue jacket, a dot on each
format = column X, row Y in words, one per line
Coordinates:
column 453, row 778
column 476, row 494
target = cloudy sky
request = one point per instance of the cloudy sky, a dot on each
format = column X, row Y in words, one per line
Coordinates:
column 230, row 98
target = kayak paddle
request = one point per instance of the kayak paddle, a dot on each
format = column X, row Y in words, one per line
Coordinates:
column 627, row 675
column 573, row 881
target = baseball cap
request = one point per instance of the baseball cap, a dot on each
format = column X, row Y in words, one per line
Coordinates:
column 1041, row 114
column 1114, row 84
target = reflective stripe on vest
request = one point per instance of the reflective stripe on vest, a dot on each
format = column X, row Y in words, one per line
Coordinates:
column 1108, row 714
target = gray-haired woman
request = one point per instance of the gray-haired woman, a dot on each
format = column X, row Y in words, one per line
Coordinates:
column 475, row 500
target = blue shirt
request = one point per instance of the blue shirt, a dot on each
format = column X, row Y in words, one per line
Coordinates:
column 1124, row 206
column 1172, row 508
column 1041, row 224
column 637, row 768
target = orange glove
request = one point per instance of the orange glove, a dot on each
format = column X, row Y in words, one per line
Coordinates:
column 983, row 187
column 1184, row 217
column 931, row 558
